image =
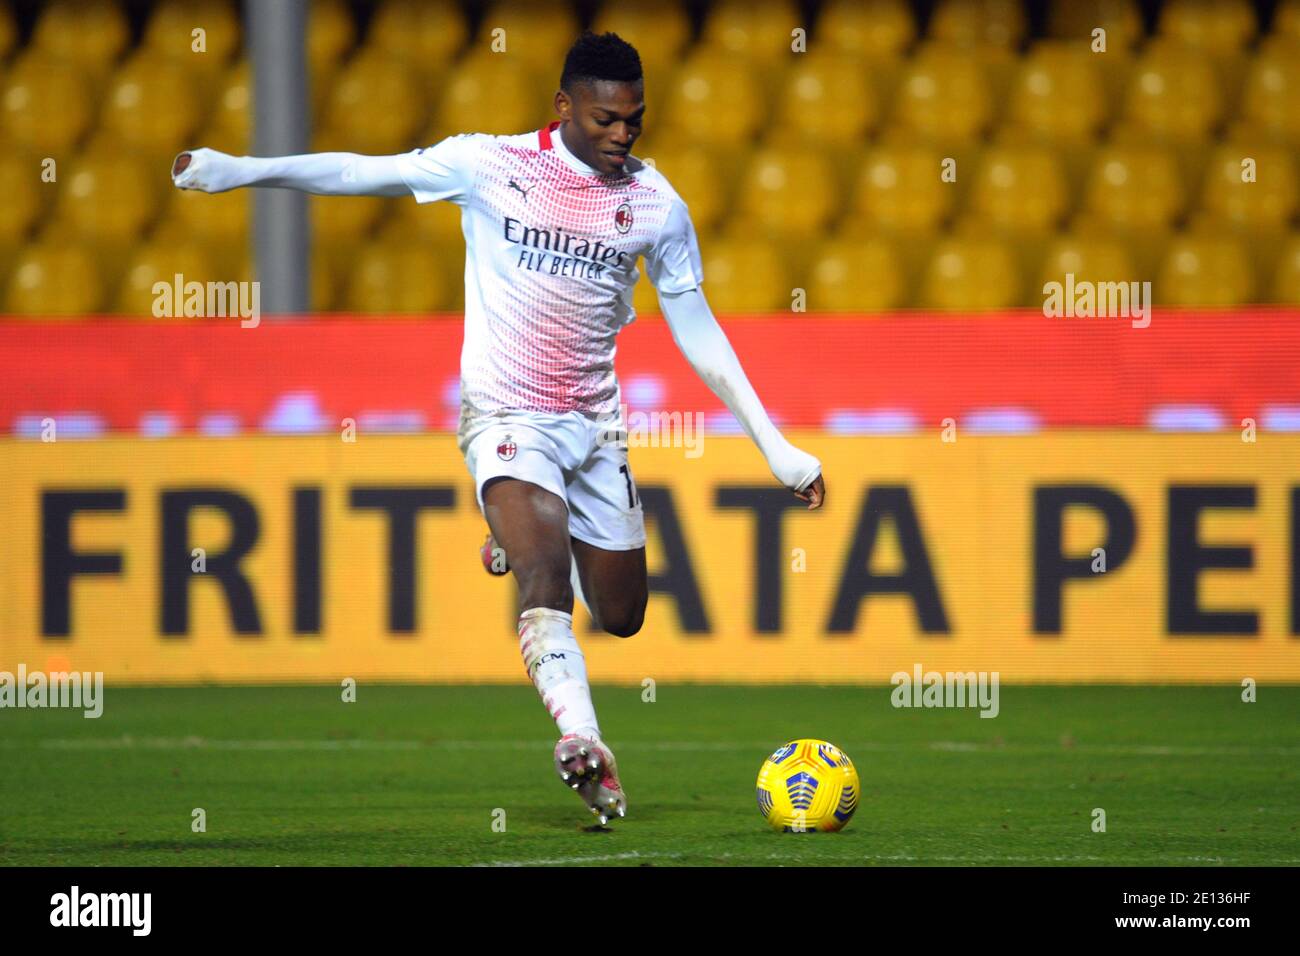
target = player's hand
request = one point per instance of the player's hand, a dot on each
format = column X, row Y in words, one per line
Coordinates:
column 814, row 494
column 206, row 170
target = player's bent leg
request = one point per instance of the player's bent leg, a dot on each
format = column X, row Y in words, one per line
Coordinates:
column 615, row 586
column 531, row 525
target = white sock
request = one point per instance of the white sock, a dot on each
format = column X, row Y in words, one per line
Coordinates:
column 555, row 663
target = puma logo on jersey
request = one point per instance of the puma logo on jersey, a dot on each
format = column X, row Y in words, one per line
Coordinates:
column 522, row 191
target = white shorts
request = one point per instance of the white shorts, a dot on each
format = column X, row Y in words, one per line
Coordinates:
column 569, row 455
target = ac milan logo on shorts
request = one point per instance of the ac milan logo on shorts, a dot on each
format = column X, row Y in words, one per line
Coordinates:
column 623, row 218
column 506, row 450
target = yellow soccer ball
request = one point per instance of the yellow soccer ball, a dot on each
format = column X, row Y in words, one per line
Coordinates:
column 806, row 786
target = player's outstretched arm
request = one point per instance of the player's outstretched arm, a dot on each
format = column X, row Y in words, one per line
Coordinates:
column 705, row 345
column 326, row 174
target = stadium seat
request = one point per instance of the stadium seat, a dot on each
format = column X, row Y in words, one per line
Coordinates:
column 341, row 225
column 538, row 33
column 89, row 33
column 150, row 106
column 45, row 104
column 743, row 274
column 1134, row 188
column 1088, row 259
column 696, row 173
column 109, row 199
column 1076, row 19
column 857, row 276
column 1286, row 281
column 1058, row 98
column 1204, row 271
column 1271, row 98
column 1218, row 27
column 220, row 221
column 397, row 277
column 1267, row 201
column 426, row 35
column 435, row 223
column 994, row 23
column 1286, row 21
column 1174, row 95
column 760, row 33
column 353, row 115
column 26, row 197
column 942, row 98
column 703, row 82
column 872, row 29
column 160, row 261
column 170, row 31
column 899, row 189
column 1019, row 190
column 970, row 274
column 485, row 93
column 54, row 278
column 331, row 35
column 230, row 124
column 659, row 29
column 826, row 100
column 787, row 193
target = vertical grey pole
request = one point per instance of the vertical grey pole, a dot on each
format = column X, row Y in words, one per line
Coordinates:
column 275, row 34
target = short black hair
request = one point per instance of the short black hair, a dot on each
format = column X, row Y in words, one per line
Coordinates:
column 605, row 56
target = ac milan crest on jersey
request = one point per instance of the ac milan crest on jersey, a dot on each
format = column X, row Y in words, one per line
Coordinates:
column 506, row 450
column 623, row 218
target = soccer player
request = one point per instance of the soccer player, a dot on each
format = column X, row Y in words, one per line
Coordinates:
column 554, row 221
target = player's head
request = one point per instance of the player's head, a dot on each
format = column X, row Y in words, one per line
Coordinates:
column 601, row 100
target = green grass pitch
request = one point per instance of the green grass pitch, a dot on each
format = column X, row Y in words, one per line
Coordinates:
column 412, row 775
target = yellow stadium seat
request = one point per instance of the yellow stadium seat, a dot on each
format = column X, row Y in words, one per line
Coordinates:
column 150, row 106
column 787, row 193
column 658, row 29
column 536, row 32
column 1058, row 94
column 1134, row 188
column 872, row 29
column 970, row 274
column 996, row 23
column 1174, row 94
column 230, row 125
column 1251, row 187
column 54, row 278
column 1087, row 259
column 1019, row 190
column 155, row 262
column 434, row 223
column 45, row 104
column 1077, row 19
column 857, row 276
column 702, row 83
column 486, row 93
column 1286, row 282
column 1204, row 271
column 900, row 189
column 742, row 274
column 90, row 33
column 1271, row 98
column 761, row 33
column 353, row 113
column 220, row 221
column 108, row 198
column 398, row 277
column 1212, row 26
column 943, row 97
column 171, row 32
column 331, row 35
column 827, row 100
column 427, row 35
